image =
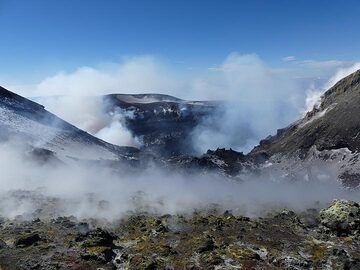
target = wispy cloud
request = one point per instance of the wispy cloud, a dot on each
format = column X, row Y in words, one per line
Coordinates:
column 289, row 58
column 324, row 64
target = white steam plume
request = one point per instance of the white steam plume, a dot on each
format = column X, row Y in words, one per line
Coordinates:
column 97, row 192
column 260, row 98
column 75, row 96
column 116, row 132
column 89, row 113
column 313, row 95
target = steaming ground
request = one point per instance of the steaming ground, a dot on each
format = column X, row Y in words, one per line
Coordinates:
column 29, row 190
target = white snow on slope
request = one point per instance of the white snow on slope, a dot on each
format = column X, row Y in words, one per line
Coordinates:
column 52, row 137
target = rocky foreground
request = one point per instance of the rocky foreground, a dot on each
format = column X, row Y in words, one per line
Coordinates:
column 325, row 239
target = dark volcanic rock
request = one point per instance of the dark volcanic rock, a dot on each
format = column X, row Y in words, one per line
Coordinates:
column 98, row 245
column 164, row 123
column 43, row 156
column 325, row 141
column 349, row 179
column 99, row 237
column 27, row 240
column 224, row 161
column 332, row 125
column 3, row 244
column 207, row 245
column 197, row 241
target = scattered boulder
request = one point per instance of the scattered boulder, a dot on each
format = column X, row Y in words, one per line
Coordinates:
column 207, row 245
column 98, row 253
column 67, row 222
column 211, row 259
column 349, row 179
column 99, row 237
column 237, row 252
column 98, row 245
column 43, row 156
column 27, row 240
column 3, row 245
column 287, row 215
column 342, row 217
column 83, row 228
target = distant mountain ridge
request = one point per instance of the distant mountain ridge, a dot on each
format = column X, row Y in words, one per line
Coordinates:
column 326, row 141
column 163, row 123
column 334, row 124
column 29, row 121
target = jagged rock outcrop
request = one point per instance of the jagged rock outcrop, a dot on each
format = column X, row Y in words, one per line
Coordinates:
column 227, row 162
column 342, row 216
column 326, row 139
column 334, row 124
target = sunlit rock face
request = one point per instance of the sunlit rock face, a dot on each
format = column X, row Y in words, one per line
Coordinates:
column 342, row 216
column 333, row 124
column 328, row 136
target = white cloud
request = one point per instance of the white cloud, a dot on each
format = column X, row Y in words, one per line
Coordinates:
column 314, row 64
column 262, row 98
column 77, row 105
column 289, row 58
column 137, row 74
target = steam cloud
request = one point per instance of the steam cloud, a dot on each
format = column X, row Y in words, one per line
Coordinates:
column 89, row 113
column 259, row 98
column 75, row 97
column 50, row 190
column 313, row 97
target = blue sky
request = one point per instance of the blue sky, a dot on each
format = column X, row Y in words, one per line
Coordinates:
column 267, row 58
column 42, row 37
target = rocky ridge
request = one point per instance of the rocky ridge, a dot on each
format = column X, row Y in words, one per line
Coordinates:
column 163, row 123
column 44, row 134
column 325, row 140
